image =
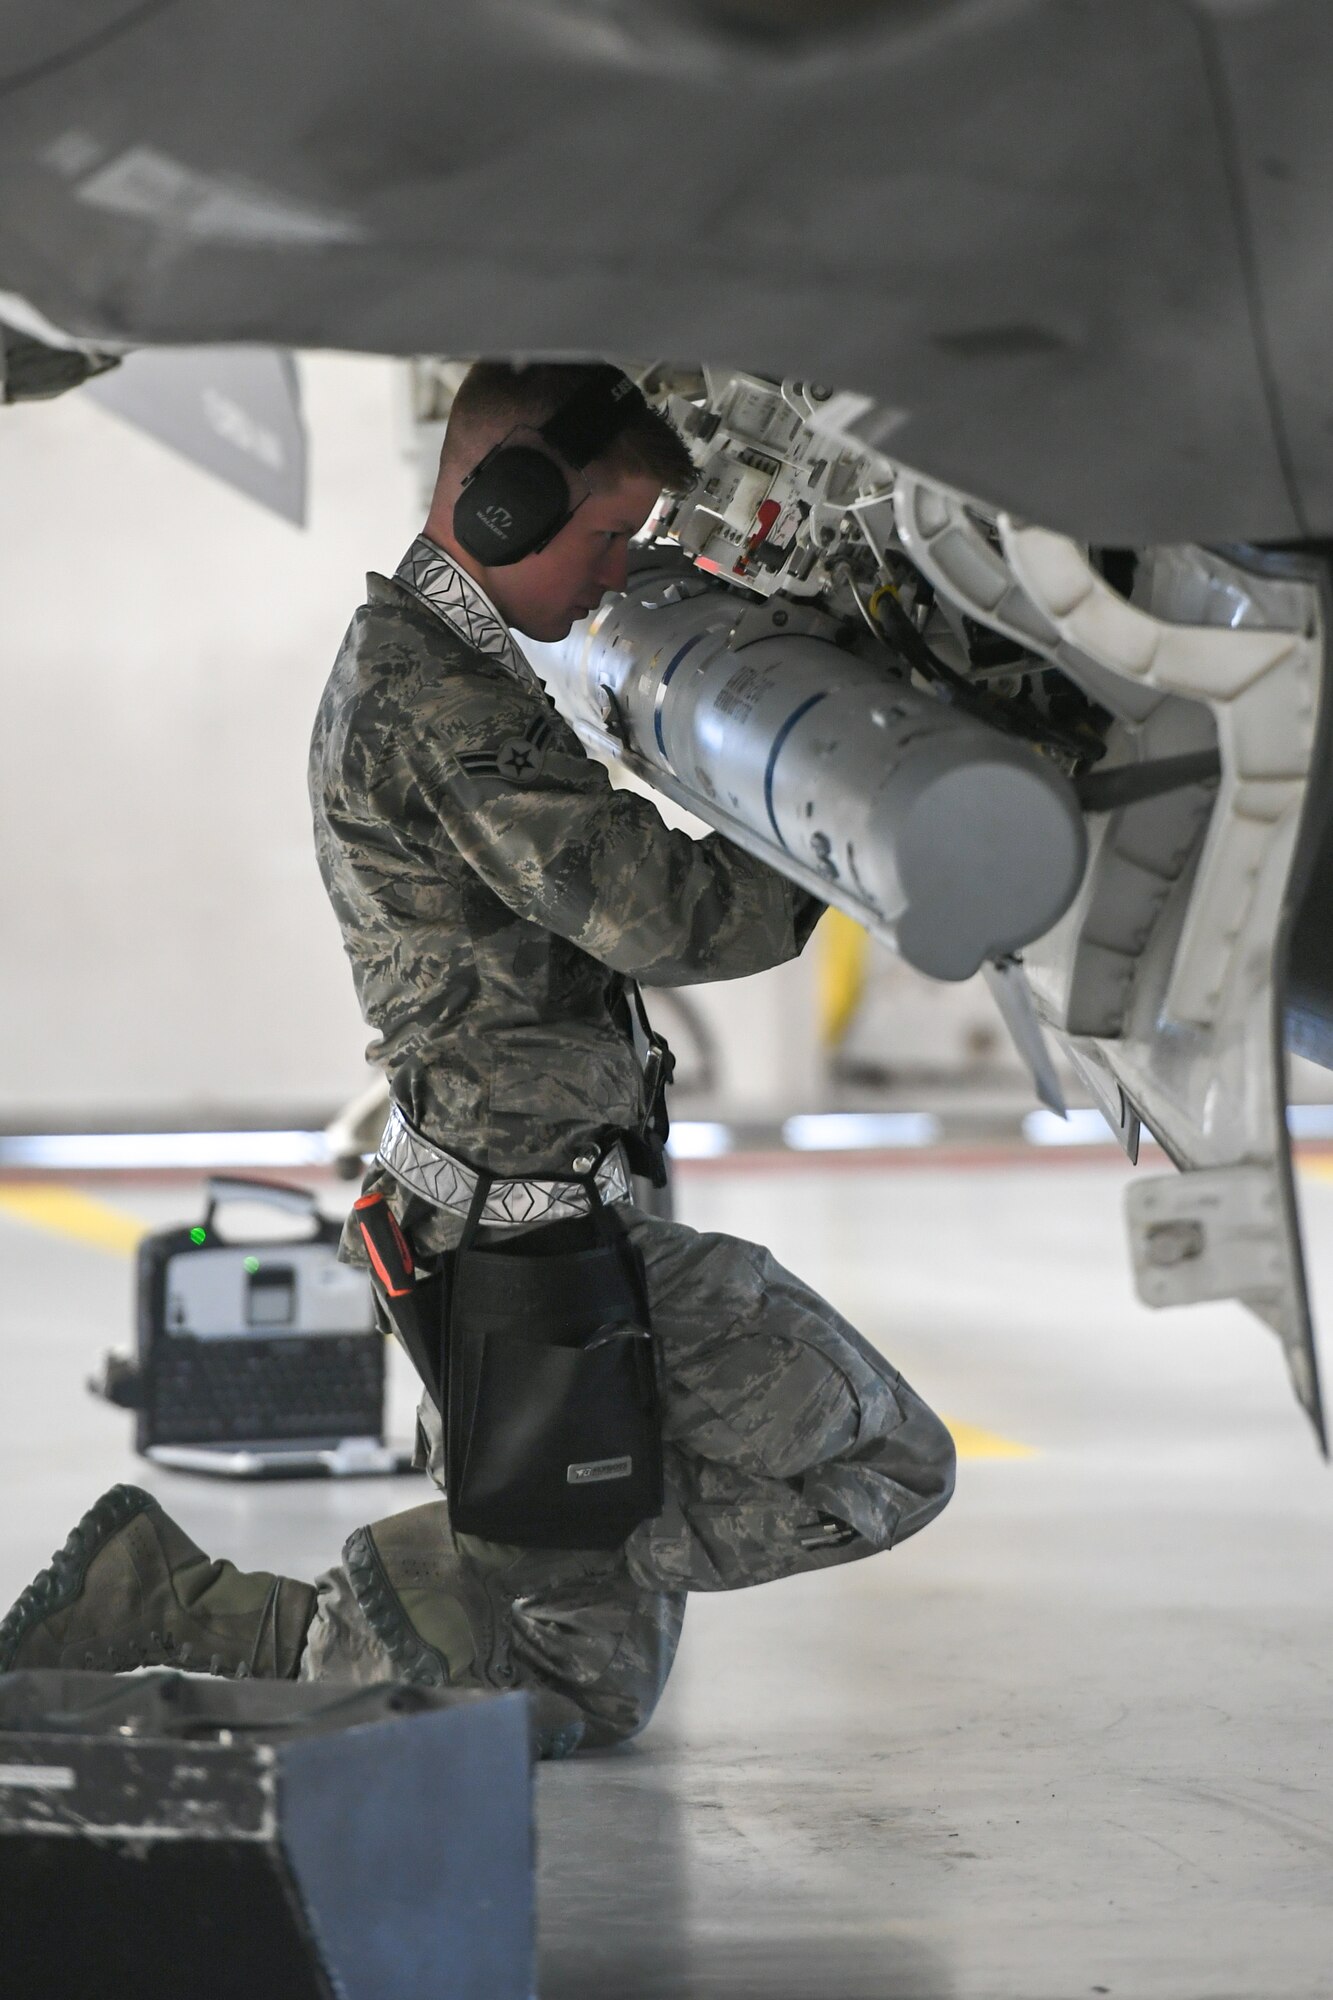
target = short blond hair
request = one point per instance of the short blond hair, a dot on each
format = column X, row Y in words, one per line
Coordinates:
column 495, row 396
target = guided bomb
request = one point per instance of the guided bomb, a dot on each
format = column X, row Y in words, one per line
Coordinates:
column 951, row 841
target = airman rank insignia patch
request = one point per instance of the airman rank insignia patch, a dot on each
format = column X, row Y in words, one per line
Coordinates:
column 519, row 759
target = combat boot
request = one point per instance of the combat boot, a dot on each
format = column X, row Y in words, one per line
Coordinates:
column 444, row 1622
column 130, row 1589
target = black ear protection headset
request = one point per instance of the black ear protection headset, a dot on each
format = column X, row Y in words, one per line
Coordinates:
column 518, row 497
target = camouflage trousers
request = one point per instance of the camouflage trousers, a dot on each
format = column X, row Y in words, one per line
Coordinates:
column 790, row 1445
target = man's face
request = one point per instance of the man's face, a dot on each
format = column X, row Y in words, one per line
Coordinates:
column 545, row 594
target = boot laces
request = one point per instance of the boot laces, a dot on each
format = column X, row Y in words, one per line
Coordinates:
column 160, row 1649
column 114, row 1658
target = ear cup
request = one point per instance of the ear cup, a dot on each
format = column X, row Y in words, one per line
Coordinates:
column 511, row 506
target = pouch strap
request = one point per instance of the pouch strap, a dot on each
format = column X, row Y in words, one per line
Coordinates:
column 601, row 1214
column 598, row 1212
column 659, row 1068
column 476, row 1210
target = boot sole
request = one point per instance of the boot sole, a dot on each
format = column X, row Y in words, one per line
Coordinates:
column 415, row 1661
column 56, row 1587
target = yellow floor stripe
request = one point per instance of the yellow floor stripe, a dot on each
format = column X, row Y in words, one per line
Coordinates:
column 973, row 1442
column 67, row 1213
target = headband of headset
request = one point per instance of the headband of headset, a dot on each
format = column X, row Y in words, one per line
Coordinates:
column 518, row 497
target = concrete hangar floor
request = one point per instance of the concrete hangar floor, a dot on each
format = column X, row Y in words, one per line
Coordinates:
column 1072, row 1740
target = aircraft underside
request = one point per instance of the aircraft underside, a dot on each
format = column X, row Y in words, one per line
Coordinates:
column 997, row 617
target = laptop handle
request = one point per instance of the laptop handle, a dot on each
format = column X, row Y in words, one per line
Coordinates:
column 234, row 1187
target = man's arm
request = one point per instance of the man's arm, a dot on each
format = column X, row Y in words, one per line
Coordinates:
column 507, row 784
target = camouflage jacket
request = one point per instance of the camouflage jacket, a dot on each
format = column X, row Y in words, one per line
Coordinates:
column 496, row 893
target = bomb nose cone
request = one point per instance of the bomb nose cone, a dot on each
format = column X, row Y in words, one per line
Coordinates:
column 989, row 853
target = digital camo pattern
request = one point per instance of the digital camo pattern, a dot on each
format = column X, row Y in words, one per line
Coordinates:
column 447, row 1183
column 570, row 1621
column 495, row 894
column 791, row 1445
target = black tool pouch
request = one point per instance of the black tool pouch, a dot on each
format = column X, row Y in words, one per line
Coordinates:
column 552, row 1411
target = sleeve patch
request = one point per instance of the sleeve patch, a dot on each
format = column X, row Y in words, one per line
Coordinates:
column 519, row 759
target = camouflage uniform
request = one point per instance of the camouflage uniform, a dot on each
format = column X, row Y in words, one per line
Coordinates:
column 496, row 894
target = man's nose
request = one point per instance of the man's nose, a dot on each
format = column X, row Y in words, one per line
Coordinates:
column 613, row 570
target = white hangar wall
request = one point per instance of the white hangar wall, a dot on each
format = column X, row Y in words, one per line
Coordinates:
column 168, row 953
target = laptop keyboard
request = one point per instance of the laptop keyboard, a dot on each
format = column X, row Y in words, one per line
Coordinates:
column 219, row 1391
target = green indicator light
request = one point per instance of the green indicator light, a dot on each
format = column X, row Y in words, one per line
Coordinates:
column 252, row 1265
column 198, row 1235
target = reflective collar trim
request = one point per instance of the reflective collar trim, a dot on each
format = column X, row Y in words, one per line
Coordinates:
column 455, row 597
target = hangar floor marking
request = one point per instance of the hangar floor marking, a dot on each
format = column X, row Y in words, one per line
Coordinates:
column 66, row 1212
